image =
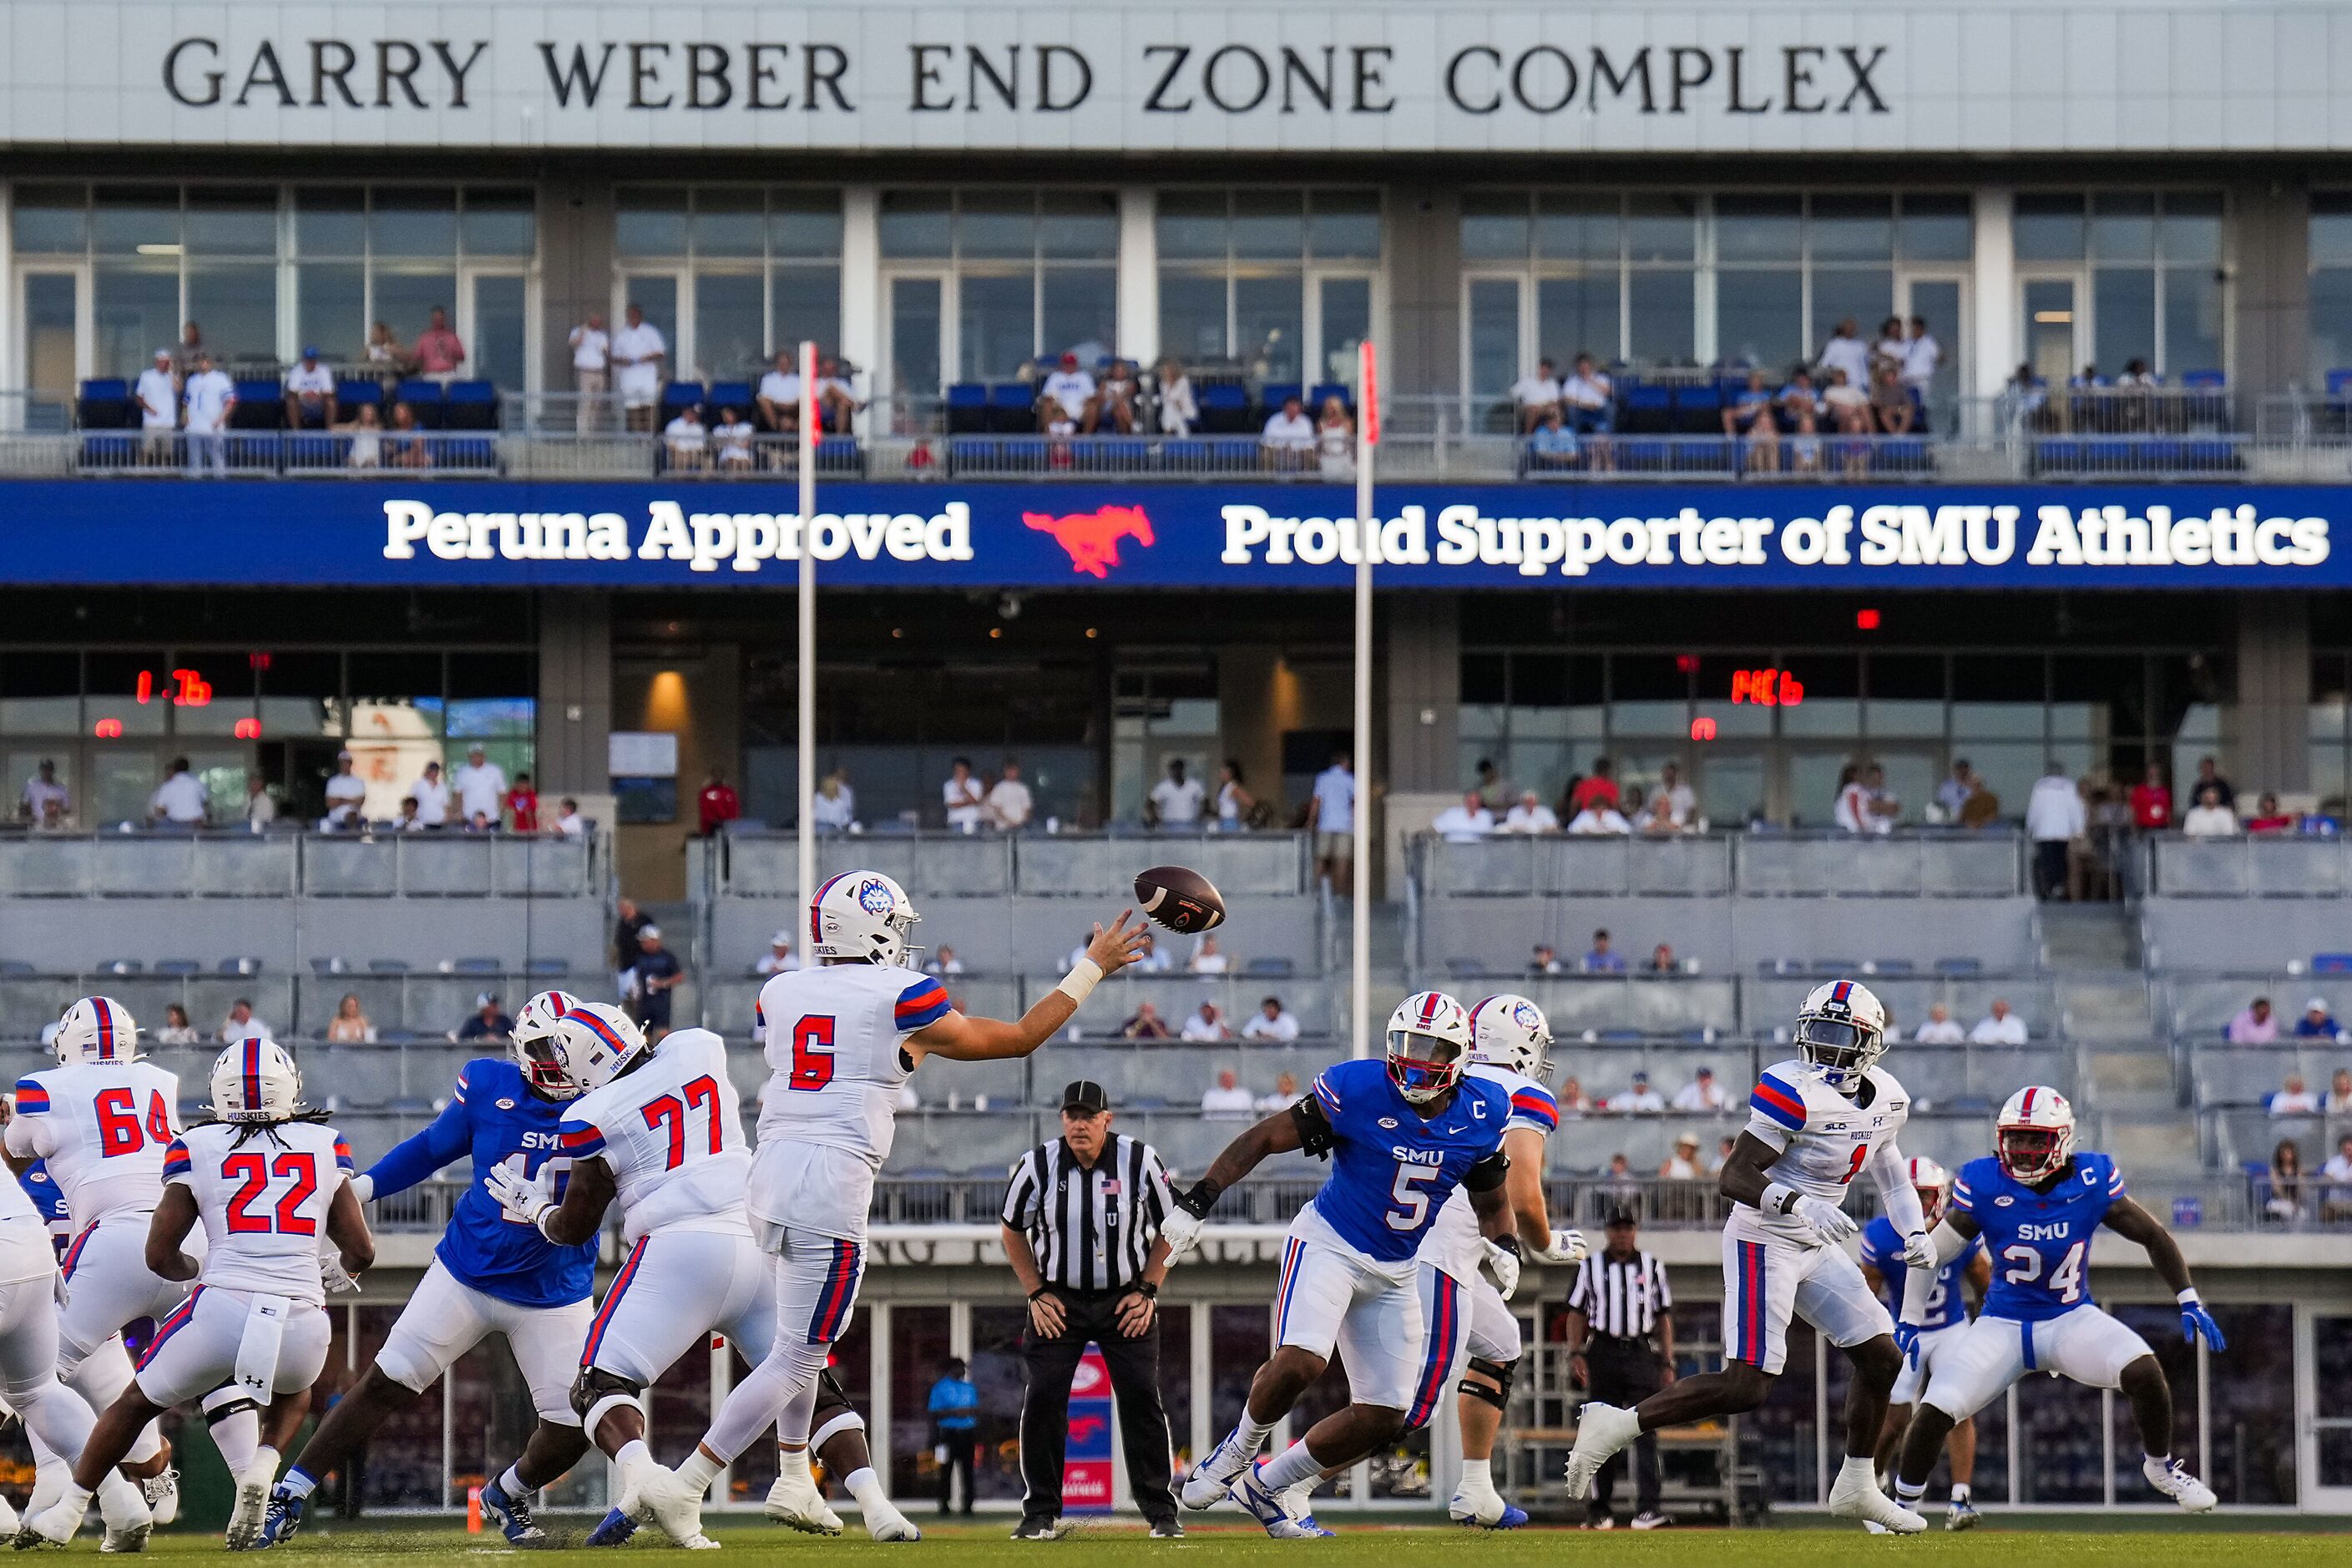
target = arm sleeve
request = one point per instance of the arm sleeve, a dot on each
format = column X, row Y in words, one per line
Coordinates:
column 416, row 1158
column 1020, row 1194
column 1658, row 1278
column 1488, row 1174
column 920, row 1006
column 1155, row 1197
column 32, row 1130
column 176, row 1165
column 1776, row 1111
column 1893, row 1174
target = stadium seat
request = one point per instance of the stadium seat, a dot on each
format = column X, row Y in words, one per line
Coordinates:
column 328, row 967
column 1224, row 408
column 1960, row 968
column 679, row 395
column 1698, row 410
column 1325, row 390
column 239, row 966
column 476, row 966
column 424, row 400
column 1011, row 408
column 1646, row 410
column 1269, row 968
column 178, row 966
column 470, row 406
column 1275, row 393
column 2331, row 964
column 260, row 405
column 105, row 403
column 387, row 966
column 357, row 392
column 549, row 968
column 735, row 395
column 967, row 409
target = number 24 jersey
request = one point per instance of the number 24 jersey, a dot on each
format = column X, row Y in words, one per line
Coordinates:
column 673, row 1134
column 2041, row 1242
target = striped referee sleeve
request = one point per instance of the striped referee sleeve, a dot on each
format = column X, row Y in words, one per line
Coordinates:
column 1156, row 1197
column 1664, row 1297
column 1022, row 1189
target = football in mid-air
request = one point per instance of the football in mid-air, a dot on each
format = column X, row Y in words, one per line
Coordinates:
column 1180, row 898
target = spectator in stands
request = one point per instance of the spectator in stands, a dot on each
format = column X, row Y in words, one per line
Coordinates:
column 2210, row 817
column 2293, row 1098
column 2339, row 1093
column 432, row 798
column 944, row 961
column 835, row 808
column 1922, row 356
column 310, row 401
column 836, row 399
column 2055, row 818
column 439, row 355
column 1940, row 1029
column 480, row 786
column 2253, row 1025
column 384, row 354
column 1237, row 807
column 1722, row 1148
column 1662, row 960
column 158, row 396
column 1846, row 398
column 629, row 924
column 1226, row 1099
column 2209, row 776
column 407, row 820
column 489, row 1021
column 779, row 957
column 522, row 803
column 592, row 370
column 1598, row 787
column 1546, row 960
column 2286, row 1202
column 569, row 823
column 1640, row 1099
column 963, row 797
column 715, row 806
column 1465, row 823
column 639, row 353
column 1643, row 817
column 45, row 803
column 1289, row 440
column 1571, row 1098
column 210, row 397
column 1677, row 800
column 1284, row 1095
column 686, row 440
column 1209, row 958
column 2317, row 1023
column 1551, row 444
column 778, row 396
column 261, row 806
column 1335, row 443
column 1846, row 353
column 176, row 1029
column 658, row 973
column 1890, row 403
column 1176, row 800
column 1332, row 817
column 1009, row 800
column 1116, row 398
column 1600, row 815
column 1954, row 792
column 1602, row 959
column 1888, row 352
column 180, row 799
column 1863, row 804
column 1145, row 1024
column 731, row 440
column 2268, row 817
column 1066, row 400
column 406, row 442
column 1151, row 960
column 1178, row 409
column 1749, row 413
column 1537, row 396
column 1272, row 1023
column 2336, row 1203
column 241, row 1024
column 191, row 346
column 1683, row 1163
column 2151, row 801
column 1590, row 400
column 1982, row 808
column 1999, row 1026
column 1702, row 1093
column 1206, row 1023
column 1798, row 404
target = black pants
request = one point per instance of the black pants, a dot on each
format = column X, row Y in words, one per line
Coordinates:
column 1624, row 1373
column 1134, row 1366
column 959, row 1445
column 2050, row 867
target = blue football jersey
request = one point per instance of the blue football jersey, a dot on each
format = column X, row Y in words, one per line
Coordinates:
column 2041, row 1242
column 1948, row 1303
column 494, row 1118
column 1391, row 1168
column 42, row 1188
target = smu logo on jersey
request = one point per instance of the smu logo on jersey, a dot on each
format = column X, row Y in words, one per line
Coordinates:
column 2056, row 1231
column 1419, row 1156
column 542, row 1140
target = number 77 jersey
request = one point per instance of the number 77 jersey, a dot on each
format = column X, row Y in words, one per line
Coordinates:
column 673, row 1133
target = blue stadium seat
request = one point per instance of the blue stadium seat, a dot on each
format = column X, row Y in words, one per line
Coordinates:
column 424, row 399
column 470, row 406
column 105, row 403
column 358, row 393
column 967, row 409
column 1327, row 390
column 478, row 966
column 1960, row 968
column 1698, row 410
column 239, row 966
column 387, row 966
column 1275, row 393
column 548, row 968
column 1270, row 968
column 178, row 966
column 735, row 395
column 2331, row 964
column 1011, row 408
column 1645, row 410
column 1224, row 408
column 260, row 405
column 328, row 967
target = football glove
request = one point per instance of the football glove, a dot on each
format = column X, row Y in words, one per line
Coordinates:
column 1502, row 1263
column 1907, row 1339
column 1567, row 1247
column 1918, row 1252
column 338, row 1279
column 1182, row 1227
column 2195, row 1320
column 524, row 1198
column 1828, row 1223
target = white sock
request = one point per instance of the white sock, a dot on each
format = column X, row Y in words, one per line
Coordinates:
column 634, row 1453
column 795, row 1462
column 1289, row 1468
column 1959, row 1492
column 1478, row 1474
column 262, row 1455
column 512, row 1482
column 299, row 1483
column 119, row 1499
column 700, row 1469
column 1249, row 1435
column 238, row 1439
column 74, row 1498
column 867, row 1488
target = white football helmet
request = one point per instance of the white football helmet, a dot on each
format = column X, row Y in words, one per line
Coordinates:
column 1842, row 1032
column 2035, row 1135
column 534, row 1027
column 255, row 1080
column 589, row 1048
column 864, row 916
column 1509, row 1031
column 97, row 1029
column 1934, row 1185
column 1428, row 1042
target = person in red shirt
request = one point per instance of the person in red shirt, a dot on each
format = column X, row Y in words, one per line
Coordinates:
column 1597, row 788
column 719, row 803
column 2151, row 803
column 2268, row 817
column 524, row 800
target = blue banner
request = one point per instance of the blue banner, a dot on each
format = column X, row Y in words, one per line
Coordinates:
column 506, row 534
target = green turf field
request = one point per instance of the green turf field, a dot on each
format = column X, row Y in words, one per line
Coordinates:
column 2222, row 1544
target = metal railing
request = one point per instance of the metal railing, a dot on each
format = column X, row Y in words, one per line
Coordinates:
column 759, row 863
column 178, row 864
column 2253, row 865
column 1913, row 864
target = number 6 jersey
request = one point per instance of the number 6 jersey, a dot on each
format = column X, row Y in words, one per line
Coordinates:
column 102, row 1128
column 262, row 1190
column 673, row 1134
column 833, row 1036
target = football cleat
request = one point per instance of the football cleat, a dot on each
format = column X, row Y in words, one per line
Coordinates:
column 511, row 1514
column 53, row 1526
column 1962, row 1515
column 163, row 1494
column 283, row 1518
column 1651, row 1519
column 1211, row 1481
column 1167, row 1529
column 1266, row 1508
column 885, row 1522
column 1855, row 1495
column 667, row 1503
column 1483, row 1510
column 614, row 1529
column 1034, row 1527
column 2174, row 1481
column 794, row 1500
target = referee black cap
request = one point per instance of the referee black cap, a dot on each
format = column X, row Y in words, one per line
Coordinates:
column 1086, row 1097
column 1620, row 1216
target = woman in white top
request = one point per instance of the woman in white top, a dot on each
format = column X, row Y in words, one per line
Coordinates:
column 1335, row 442
column 367, row 438
column 1178, row 412
column 1234, row 802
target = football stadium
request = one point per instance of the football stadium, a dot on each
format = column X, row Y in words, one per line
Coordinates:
column 1608, row 746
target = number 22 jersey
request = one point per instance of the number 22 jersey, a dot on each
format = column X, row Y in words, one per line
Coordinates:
column 262, row 1191
column 2041, row 1242
column 1393, row 1168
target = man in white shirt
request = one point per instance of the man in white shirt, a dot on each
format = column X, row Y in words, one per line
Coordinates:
column 1332, row 817
column 1954, row 792
column 779, row 957
column 346, row 795
column 1467, row 823
column 1702, row 1093
column 1288, row 439
column 482, row 786
column 1176, row 800
column 1589, row 398
column 180, row 799
column 1673, row 797
column 963, row 799
column 1640, row 1099
column 779, row 397
column 1010, row 803
column 1599, row 817
column 1921, row 356
column 159, row 408
column 1205, row 1023
column 1284, row 1095
column 432, row 796
column 1066, row 401
column 1940, row 1029
column 592, row 360
column 569, row 823
column 261, row 806
column 1845, row 351
column 45, row 800
column 1536, row 395
column 2294, row 1099
column 311, row 403
column 210, row 396
column 1228, row 1100
column 241, row 1025
column 1271, row 1022
column 2000, row 1026
column 1530, row 816
column 944, row 961
column 687, row 440
column 2053, row 819
column 1208, row 958
column 638, row 354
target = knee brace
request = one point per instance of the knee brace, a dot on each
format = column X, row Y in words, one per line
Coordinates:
column 223, row 1402
column 596, row 1393
column 1499, row 1396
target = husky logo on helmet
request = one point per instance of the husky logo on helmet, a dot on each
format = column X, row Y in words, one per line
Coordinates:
column 1509, row 1031
column 534, row 1029
column 1842, row 1032
column 589, row 1048
column 255, row 1080
column 861, row 917
column 2034, row 1136
column 1428, row 1042
column 875, row 899
column 97, row 1029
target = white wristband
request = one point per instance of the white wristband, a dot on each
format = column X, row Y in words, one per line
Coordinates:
column 363, row 1186
column 1080, row 981
column 2187, row 1298
column 1779, row 1198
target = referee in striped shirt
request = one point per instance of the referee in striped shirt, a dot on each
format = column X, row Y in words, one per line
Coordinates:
column 1081, row 1229
column 1620, row 1326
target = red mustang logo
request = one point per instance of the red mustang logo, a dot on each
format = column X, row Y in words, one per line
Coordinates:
column 1091, row 537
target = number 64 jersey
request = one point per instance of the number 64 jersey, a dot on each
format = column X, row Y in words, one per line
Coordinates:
column 673, row 1134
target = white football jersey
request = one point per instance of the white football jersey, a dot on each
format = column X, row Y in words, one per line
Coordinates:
column 834, row 1035
column 1452, row 1242
column 103, row 1128
column 262, row 1192
column 673, row 1133
column 1824, row 1138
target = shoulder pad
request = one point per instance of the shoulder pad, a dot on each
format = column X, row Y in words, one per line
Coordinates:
column 1780, row 1098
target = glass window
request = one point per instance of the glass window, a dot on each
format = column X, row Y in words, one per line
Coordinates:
column 730, row 325
column 1866, row 295
column 804, row 223
column 407, row 297
column 331, row 308
column 133, row 688
column 227, row 688
column 1192, row 316
column 2190, row 229
column 1081, row 307
column 1759, row 317
column 51, row 220
column 805, row 304
column 1579, row 228
column 136, row 221
column 1757, row 228
column 329, row 222
column 1191, row 225
column 302, row 693
column 2123, row 225
column 2123, row 313
column 915, row 224
column 2048, row 228
column 997, row 224
column 1079, row 226
column 237, row 304
column 2331, row 228
column 135, row 307
column 1269, row 316
column 403, row 222
column 40, row 693
column 1494, row 227
column 1851, row 228
column 650, row 222
column 1269, row 224
column 231, row 222
column 999, row 325
column 729, row 223
column 1661, row 318
column 1937, row 227
column 1662, row 229
column 1577, row 315
column 499, row 223
column 1344, row 226
column 2192, row 319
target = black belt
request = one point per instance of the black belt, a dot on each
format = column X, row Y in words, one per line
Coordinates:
column 1620, row 1342
column 1111, row 1293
